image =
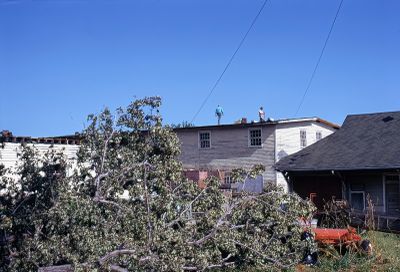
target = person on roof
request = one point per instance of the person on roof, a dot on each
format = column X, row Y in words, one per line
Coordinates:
column 219, row 112
column 261, row 114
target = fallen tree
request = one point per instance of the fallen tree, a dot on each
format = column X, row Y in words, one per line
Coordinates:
column 127, row 207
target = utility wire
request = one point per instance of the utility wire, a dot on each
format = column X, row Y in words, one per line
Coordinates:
column 230, row 61
column 319, row 59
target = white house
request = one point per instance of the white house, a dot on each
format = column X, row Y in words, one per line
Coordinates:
column 11, row 147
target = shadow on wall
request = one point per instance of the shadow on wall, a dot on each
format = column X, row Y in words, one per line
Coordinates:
column 281, row 154
column 250, row 185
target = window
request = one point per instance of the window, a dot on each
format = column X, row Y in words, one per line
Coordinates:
column 255, row 137
column 204, row 139
column 318, row 136
column 303, row 138
column 227, row 178
column 357, row 200
column 392, row 178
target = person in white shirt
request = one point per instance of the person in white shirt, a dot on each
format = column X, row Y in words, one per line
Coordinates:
column 261, row 114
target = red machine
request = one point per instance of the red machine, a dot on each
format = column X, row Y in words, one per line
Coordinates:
column 336, row 236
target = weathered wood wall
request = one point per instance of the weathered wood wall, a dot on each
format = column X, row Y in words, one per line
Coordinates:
column 229, row 149
column 373, row 186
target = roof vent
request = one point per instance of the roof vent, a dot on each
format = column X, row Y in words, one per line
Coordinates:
column 387, row 119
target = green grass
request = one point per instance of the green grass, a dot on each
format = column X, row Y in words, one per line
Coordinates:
column 385, row 257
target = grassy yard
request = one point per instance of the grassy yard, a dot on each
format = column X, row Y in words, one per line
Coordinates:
column 386, row 257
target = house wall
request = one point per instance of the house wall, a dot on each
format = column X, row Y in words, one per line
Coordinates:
column 372, row 185
column 319, row 188
column 288, row 141
column 325, row 186
column 229, row 150
column 9, row 152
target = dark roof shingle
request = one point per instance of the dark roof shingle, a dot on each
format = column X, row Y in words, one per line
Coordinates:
column 365, row 141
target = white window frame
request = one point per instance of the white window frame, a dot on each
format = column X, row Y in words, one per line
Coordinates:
column 318, row 133
column 199, row 139
column 358, row 192
column 227, row 178
column 249, row 137
column 301, row 139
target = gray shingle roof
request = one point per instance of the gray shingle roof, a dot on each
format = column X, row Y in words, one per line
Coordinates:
column 364, row 142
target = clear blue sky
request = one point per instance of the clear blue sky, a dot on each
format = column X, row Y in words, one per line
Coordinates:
column 63, row 59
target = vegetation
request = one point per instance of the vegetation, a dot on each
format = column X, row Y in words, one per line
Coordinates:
column 184, row 124
column 385, row 257
column 335, row 215
column 127, row 207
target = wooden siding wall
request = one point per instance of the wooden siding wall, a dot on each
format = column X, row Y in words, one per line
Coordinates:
column 326, row 186
column 229, row 149
column 373, row 186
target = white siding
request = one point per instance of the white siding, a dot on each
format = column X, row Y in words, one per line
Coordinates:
column 288, row 140
column 9, row 153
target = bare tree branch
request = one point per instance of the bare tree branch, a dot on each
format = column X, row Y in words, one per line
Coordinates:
column 118, row 268
column 103, row 260
column 271, row 260
column 146, row 195
column 104, row 201
column 173, row 222
column 221, row 221
column 103, row 159
column 212, row 266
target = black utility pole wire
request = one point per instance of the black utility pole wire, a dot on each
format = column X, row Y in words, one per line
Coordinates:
column 319, row 59
column 230, row 61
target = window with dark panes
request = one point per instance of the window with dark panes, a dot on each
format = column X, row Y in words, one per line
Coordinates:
column 357, row 200
column 303, row 138
column 318, row 135
column 227, row 178
column 255, row 138
column 204, row 140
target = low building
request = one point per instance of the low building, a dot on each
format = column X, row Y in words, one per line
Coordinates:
column 359, row 160
column 11, row 146
column 243, row 145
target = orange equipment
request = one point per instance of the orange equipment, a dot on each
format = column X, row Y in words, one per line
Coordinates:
column 336, row 236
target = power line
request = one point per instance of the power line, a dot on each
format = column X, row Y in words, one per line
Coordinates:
column 319, row 59
column 230, row 61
